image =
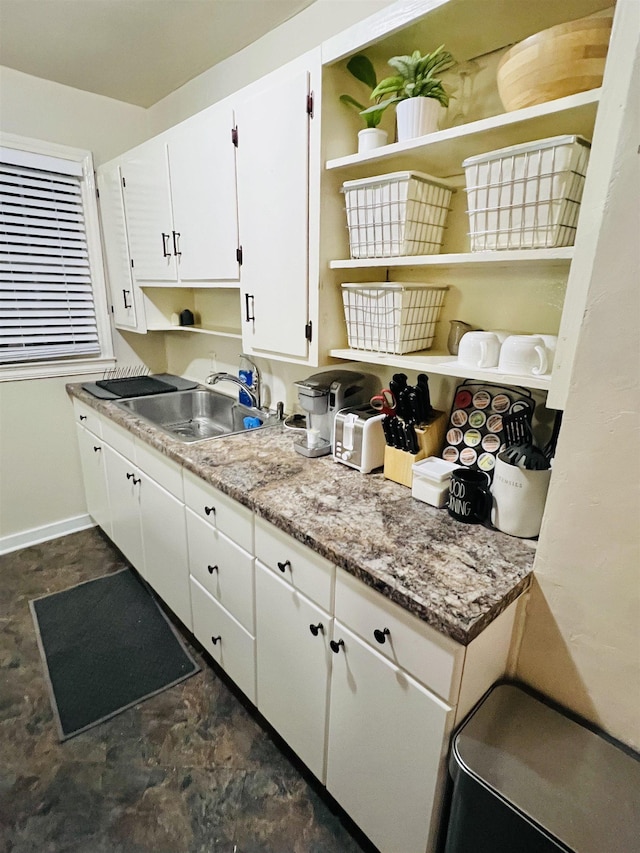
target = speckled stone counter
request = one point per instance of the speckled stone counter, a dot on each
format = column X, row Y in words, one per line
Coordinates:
column 455, row 577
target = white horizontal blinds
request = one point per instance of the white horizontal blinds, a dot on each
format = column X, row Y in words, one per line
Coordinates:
column 46, row 297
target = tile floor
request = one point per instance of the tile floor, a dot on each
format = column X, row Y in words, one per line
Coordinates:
column 191, row 770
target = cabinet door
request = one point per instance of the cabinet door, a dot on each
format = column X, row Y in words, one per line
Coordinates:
column 95, row 478
column 386, row 748
column 225, row 639
column 123, row 482
column 273, row 211
column 292, row 666
column 128, row 310
column 202, row 161
column 147, row 198
column 164, row 538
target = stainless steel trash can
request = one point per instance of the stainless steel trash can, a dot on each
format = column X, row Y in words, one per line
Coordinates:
column 527, row 779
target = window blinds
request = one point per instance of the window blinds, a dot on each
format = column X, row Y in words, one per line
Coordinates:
column 46, row 296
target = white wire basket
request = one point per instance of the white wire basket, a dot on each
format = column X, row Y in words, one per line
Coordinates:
column 526, row 196
column 392, row 317
column 402, row 213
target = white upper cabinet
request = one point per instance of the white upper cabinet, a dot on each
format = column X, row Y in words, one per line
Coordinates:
column 274, row 122
column 128, row 309
column 147, row 196
column 203, row 190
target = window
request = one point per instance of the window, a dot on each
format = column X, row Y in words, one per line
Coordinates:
column 52, row 293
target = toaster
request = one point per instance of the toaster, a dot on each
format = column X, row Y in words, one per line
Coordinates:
column 358, row 439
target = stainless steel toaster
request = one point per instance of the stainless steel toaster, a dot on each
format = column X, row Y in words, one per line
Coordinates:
column 358, row 440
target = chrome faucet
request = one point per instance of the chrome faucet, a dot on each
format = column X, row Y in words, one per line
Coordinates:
column 252, row 390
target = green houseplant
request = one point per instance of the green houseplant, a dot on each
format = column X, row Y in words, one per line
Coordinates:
column 416, row 89
column 361, row 67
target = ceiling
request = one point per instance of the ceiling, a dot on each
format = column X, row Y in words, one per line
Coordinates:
column 136, row 51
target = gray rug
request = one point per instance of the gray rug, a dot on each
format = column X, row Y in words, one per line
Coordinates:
column 106, row 646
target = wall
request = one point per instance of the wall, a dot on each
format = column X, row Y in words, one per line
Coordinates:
column 40, row 480
column 38, row 108
column 305, row 31
column 581, row 644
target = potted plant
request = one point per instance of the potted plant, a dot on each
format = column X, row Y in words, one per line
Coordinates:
column 372, row 136
column 417, row 91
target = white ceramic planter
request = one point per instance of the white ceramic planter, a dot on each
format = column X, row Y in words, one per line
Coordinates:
column 417, row 117
column 370, row 138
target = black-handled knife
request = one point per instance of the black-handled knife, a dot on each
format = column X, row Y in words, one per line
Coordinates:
column 387, row 429
column 425, row 395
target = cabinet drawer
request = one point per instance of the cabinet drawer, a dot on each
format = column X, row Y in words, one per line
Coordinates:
column 234, row 648
column 119, row 439
column 219, row 510
column 300, row 566
column 432, row 658
column 87, row 417
column 159, row 468
column 222, row 568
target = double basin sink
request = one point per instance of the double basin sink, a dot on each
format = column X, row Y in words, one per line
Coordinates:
column 198, row 414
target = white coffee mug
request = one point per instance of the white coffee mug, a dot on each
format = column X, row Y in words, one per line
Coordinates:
column 525, row 355
column 551, row 344
column 479, row 349
column 519, row 497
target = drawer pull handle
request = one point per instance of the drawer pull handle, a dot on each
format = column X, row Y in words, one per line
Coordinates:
column 96, row 449
column 83, row 417
column 136, row 481
column 130, row 476
column 215, row 640
column 381, row 636
column 335, row 646
column 317, row 629
column 284, row 566
column 212, row 569
column 210, row 509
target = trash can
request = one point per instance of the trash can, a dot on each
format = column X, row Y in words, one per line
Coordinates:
column 528, row 779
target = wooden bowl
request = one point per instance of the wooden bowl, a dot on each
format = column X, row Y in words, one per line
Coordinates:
column 560, row 61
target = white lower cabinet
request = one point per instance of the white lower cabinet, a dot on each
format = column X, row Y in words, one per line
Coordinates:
column 386, row 746
column 164, row 542
column 364, row 692
column 95, row 478
column 123, row 481
column 228, row 643
column 293, row 666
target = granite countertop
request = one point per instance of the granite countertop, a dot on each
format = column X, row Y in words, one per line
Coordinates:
column 454, row 576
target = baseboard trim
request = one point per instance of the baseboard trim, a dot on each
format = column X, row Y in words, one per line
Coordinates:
column 16, row 541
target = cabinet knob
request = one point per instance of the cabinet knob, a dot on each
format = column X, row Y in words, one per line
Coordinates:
column 212, row 569
column 215, row 640
column 381, row 636
column 317, row 629
column 210, row 509
column 83, row 417
column 284, row 566
column 96, row 449
column 335, row 645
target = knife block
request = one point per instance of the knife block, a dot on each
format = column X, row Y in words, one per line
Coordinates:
column 397, row 463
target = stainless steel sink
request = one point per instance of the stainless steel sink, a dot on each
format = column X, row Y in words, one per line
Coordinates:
column 196, row 415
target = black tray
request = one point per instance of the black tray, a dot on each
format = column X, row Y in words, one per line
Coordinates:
column 135, row 386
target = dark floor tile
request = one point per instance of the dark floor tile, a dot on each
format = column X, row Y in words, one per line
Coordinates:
column 191, row 770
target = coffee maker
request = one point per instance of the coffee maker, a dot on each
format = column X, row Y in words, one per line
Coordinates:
column 322, row 396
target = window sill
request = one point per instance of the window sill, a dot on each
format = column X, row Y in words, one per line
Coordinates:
column 49, row 369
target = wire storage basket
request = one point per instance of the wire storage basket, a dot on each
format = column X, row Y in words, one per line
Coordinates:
column 402, row 213
column 392, row 317
column 526, row 196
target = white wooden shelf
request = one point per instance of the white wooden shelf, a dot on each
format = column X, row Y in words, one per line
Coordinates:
column 188, row 285
column 438, row 155
column 444, row 364
column 200, row 330
column 521, row 258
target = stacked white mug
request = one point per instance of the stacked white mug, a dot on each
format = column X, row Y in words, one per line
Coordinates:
column 522, row 355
